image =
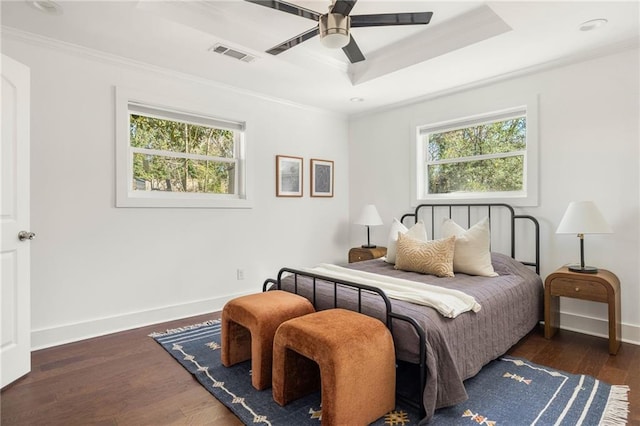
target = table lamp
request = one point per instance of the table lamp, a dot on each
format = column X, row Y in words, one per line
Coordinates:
column 583, row 217
column 369, row 217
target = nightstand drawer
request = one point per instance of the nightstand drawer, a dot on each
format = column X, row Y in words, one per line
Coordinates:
column 358, row 254
column 579, row 289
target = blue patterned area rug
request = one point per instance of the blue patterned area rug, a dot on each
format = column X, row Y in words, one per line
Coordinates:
column 508, row 391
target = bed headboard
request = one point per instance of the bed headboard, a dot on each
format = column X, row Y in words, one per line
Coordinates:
column 504, row 222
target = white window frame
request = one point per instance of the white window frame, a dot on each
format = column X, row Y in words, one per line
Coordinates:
column 529, row 194
column 134, row 102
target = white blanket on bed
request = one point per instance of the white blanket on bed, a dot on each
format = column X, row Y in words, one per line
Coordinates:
column 450, row 303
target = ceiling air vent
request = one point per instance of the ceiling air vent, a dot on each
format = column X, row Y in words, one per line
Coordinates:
column 233, row 53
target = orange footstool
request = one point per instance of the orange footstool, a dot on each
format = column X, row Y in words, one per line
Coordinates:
column 249, row 324
column 354, row 355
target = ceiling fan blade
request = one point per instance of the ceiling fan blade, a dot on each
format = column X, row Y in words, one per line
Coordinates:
column 384, row 19
column 288, row 8
column 294, row 41
column 353, row 51
column 343, row 7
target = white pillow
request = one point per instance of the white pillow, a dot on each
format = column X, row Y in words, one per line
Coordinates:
column 417, row 231
column 471, row 255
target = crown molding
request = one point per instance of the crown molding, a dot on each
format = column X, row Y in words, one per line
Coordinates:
column 15, row 34
column 599, row 52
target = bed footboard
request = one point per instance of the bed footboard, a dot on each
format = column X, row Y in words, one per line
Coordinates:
column 360, row 290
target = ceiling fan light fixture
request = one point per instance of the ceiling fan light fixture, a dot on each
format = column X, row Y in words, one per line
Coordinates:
column 334, row 30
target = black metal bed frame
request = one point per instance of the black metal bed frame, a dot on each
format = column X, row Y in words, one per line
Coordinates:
column 360, row 288
column 490, row 207
column 389, row 314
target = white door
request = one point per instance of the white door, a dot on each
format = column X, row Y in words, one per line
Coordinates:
column 15, row 312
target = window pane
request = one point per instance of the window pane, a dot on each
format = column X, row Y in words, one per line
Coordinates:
column 492, row 138
column 155, row 133
column 211, row 142
column 493, row 175
column 176, row 136
column 158, row 173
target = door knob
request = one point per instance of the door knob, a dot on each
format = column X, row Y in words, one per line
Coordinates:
column 25, row 235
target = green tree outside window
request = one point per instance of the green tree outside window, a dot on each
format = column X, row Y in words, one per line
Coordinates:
column 177, row 156
column 486, row 157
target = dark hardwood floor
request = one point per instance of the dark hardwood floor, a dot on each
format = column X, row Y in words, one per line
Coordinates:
column 128, row 379
column 582, row 354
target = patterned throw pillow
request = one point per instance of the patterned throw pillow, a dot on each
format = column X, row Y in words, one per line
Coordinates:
column 426, row 257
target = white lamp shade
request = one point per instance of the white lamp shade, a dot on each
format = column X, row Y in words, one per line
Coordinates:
column 583, row 217
column 369, row 216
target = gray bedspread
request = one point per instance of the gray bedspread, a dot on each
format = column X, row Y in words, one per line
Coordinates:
column 457, row 349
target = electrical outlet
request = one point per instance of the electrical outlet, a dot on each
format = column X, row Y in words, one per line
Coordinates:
column 240, row 274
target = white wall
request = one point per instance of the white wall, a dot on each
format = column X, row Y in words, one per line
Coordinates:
column 99, row 269
column 589, row 150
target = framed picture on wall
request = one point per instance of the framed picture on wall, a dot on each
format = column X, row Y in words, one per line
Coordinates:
column 321, row 178
column 288, row 176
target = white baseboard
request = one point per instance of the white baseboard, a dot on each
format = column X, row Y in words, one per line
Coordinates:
column 59, row 335
column 598, row 327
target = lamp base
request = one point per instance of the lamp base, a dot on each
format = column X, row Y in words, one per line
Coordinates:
column 583, row 270
column 369, row 246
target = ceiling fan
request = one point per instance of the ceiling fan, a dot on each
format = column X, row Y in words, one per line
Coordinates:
column 334, row 26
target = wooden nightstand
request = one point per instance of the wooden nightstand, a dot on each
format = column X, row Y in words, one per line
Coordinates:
column 358, row 254
column 603, row 287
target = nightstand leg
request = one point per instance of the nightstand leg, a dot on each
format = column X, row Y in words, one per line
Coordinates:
column 615, row 326
column 551, row 314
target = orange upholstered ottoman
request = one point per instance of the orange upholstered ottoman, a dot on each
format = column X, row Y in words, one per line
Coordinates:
column 354, row 357
column 249, row 324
